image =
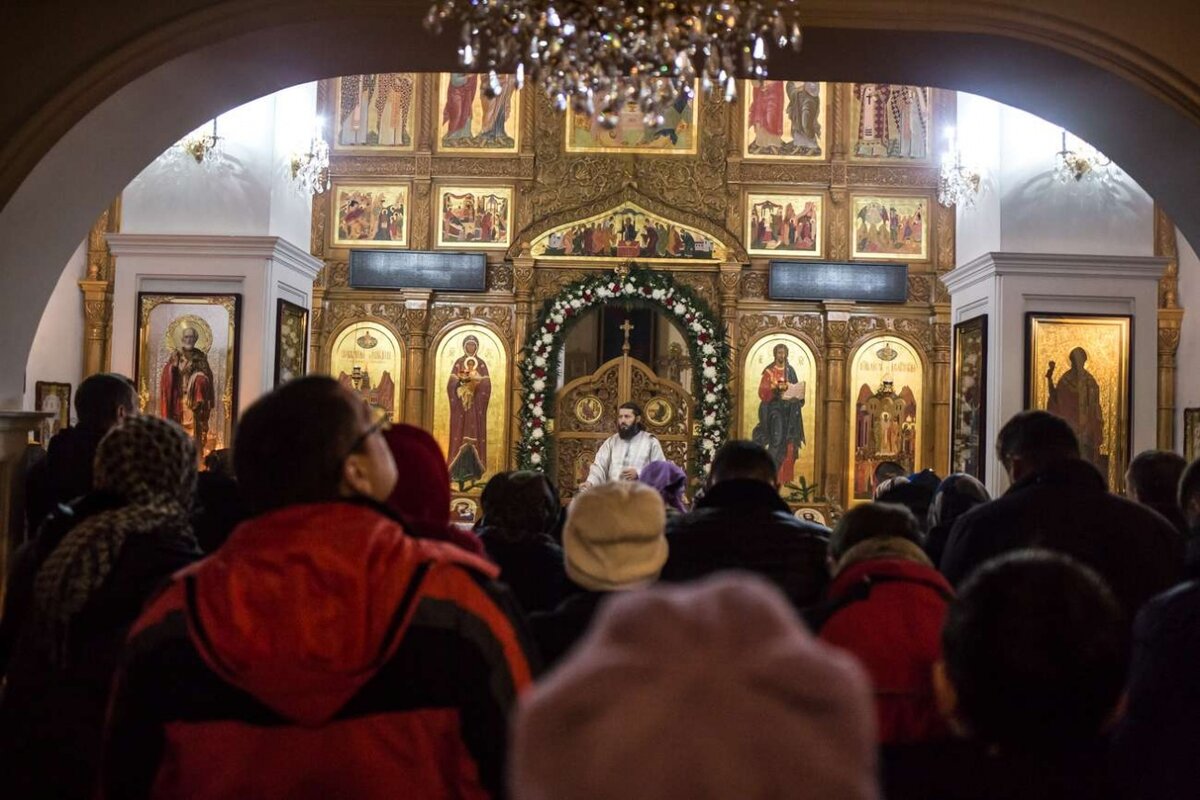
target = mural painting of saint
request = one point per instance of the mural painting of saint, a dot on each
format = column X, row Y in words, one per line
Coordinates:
column 469, row 390
column 780, row 426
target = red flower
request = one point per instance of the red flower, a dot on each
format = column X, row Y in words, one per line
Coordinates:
column 537, row 422
column 551, row 327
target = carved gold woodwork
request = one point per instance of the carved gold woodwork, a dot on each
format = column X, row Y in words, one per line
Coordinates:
column 580, row 430
column 706, row 192
column 97, row 291
column 1170, row 321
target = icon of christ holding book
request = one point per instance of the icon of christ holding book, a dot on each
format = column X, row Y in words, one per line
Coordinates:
column 780, row 426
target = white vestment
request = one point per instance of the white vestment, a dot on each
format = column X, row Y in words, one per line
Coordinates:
column 617, row 454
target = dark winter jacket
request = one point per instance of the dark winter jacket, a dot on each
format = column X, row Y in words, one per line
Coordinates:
column 745, row 525
column 957, row 769
column 557, row 631
column 52, row 718
column 321, row 652
column 889, row 612
column 531, row 565
column 1158, row 740
column 1067, row 508
column 65, row 473
column 218, row 510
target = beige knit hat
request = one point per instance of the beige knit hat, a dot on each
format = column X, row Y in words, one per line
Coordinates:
column 614, row 536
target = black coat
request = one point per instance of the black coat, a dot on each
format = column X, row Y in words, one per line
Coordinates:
column 964, row 770
column 52, row 719
column 557, row 631
column 1158, row 739
column 744, row 524
column 531, row 565
column 1067, row 508
column 65, row 473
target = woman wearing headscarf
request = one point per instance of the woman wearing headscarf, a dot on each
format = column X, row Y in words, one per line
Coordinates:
column 955, row 496
column 421, row 498
column 666, row 478
column 519, row 511
column 103, row 557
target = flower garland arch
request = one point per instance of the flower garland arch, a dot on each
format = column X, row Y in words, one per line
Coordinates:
column 706, row 346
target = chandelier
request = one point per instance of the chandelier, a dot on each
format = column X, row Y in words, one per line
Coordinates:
column 599, row 57
column 958, row 185
column 1084, row 165
column 310, row 169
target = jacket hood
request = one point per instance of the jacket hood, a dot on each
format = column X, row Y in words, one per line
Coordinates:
column 894, row 567
column 302, row 605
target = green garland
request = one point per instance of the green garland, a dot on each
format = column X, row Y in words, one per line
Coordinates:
column 706, row 346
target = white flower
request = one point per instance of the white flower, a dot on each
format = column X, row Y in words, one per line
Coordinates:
column 603, row 292
column 707, row 444
column 709, row 372
column 657, row 294
column 697, row 327
column 710, row 420
column 576, row 303
column 680, row 309
column 537, row 433
column 547, row 338
column 709, row 397
column 535, row 459
column 630, row 288
column 538, row 384
column 708, row 350
column 557, row 318
column 537, row 411
column 540, row 361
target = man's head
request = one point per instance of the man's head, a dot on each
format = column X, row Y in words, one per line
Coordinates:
column 311, row 440
column 105, row 399
column 519, row 505
column 873, row 521
column 781, row 353
column 1036, row 652
column 188, row 338
column 886, row 470
column 1153, row 477
column 1189, row 493
column 742, row 459
column 1078, row 357
column 470, row 345
column 629, row 420
column 1032, row 441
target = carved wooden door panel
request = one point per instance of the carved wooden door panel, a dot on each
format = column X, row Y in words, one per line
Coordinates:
column 586, row 415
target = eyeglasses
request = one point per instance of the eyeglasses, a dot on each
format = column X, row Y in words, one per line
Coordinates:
column 382, row 422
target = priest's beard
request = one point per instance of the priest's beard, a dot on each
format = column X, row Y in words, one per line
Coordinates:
column 629, row 432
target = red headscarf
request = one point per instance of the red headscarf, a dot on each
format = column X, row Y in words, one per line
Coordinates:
column 422, row 494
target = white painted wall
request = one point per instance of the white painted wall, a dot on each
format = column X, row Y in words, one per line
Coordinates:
column 1023, row 209
column 57, row 352
column 254, row 196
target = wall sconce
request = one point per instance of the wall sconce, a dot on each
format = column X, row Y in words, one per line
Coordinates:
column 957, row 185
column 1077, row 166
column 310, row 169
column 206, row 149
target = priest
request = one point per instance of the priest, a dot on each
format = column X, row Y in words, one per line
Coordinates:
column 623, row 454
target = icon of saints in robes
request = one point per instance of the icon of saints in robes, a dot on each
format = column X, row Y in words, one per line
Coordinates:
column 469, row 390
column 1076, row 398
column 186, row 393
column 780, row 426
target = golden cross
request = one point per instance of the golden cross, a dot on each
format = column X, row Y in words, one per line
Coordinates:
column 626, row 326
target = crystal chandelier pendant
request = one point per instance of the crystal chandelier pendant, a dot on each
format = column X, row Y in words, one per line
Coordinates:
column 310, row 169
column 599, row 58
column 1087, row 165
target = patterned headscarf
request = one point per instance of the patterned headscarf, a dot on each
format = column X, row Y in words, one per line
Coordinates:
column 150, row 464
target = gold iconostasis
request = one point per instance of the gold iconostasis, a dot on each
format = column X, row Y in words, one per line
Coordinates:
column 807, row 171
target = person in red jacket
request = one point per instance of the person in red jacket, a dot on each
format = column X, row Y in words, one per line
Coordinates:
column 321, row 652
column 886, row 605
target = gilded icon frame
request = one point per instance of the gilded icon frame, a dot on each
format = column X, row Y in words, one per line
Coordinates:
column 47, row 428
column 223, row 343
column 1191, row 427
column 1114, row 354
column 975, row 326
column 693, row 147
column 865, row 197
column 817, row 199
column 823, row 120
column 335, row 117
column 403, row 192
column 289, row 317
column 501, row 192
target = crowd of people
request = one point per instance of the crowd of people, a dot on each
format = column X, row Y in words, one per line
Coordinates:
column 303, row 619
